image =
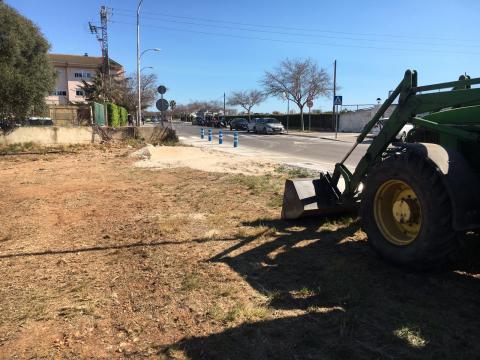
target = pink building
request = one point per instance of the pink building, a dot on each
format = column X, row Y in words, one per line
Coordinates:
column 71, row 70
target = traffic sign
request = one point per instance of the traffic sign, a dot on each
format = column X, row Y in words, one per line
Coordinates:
column 337, row 100
column 310, row 103
column 162, row 104
column 162, row 89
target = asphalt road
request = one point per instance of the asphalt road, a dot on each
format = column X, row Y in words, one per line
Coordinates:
column 294, row 148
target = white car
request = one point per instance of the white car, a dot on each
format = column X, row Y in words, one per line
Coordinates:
column 402, row 134
column 268, row 126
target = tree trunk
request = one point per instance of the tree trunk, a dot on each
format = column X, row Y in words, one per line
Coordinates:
column 301, row 119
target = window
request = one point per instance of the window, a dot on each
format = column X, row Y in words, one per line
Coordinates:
column 59, row 93
column 83, row 74
column 80, row 93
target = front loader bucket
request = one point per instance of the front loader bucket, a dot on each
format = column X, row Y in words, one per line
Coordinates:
column 312, row 197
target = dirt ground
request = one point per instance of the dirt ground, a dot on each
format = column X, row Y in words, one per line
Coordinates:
column 103, row 259
column 164, row 157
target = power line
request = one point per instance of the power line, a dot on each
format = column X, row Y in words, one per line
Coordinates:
column 295, row 34
column 300, row 29
column 424, row 50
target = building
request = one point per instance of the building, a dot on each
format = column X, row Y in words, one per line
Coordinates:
column 71, row 70
column 355, row 121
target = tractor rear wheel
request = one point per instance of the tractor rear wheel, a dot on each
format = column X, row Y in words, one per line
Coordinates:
column 406, row 212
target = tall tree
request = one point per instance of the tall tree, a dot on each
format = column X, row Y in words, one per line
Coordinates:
column 299, row 81
column 246, row 99
column 26, row 75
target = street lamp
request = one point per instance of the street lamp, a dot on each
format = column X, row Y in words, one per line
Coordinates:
column 138, row 62
column 146, row 67
column 152, row 49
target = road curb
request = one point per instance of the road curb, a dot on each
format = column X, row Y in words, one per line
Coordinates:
column 320, row 137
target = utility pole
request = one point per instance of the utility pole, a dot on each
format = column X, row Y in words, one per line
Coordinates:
column 106, row 59
column 334, row 94
column 139, row 102
column 224, row 114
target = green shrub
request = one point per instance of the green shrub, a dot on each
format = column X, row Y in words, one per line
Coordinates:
column 123, row 116
column 113, row 115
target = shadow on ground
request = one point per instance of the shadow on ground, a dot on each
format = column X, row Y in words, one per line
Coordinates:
column 343, row 302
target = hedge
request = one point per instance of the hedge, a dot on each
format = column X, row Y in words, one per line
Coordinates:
column 318, row 121
column 117, row 115
column 123, row 116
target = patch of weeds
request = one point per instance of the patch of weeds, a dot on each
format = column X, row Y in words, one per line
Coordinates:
column 295, row 172
column 171, row 225
column 305, row 292
column 242, row 312
column 235, row 312
column 275, row 201
column 275, row 297
column 225, row 291
column 337, row 224
column 19, row 148
column 72, row 311
column 134, row 143
column 257, row 185
column 412, row 336
column 176, row 353
column 191, row 282
column 31, row 147
column 215, row 313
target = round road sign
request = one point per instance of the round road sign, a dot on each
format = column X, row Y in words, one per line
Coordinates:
column 310, row 103
column 162, row 89
column 162, row 104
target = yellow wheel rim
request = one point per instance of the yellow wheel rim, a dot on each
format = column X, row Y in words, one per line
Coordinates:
column 397, row 212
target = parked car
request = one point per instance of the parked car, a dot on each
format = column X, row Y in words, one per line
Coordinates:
column 269, row 126
column 239, row 124
column 198, row 121
column 402, row 134
column 251, row 125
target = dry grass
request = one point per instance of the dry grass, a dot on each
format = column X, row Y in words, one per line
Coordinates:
column 103, row 260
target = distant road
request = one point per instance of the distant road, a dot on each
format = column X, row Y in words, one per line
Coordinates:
column 313, row 152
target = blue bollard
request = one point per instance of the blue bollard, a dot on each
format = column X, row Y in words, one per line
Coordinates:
column 220, row 136
column 202, row 133
column 209, row 134
column 235, row 139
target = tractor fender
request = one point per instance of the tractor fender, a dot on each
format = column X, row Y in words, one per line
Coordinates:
column 461, row 182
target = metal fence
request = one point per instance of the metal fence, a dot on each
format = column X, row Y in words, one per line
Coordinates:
column 70, row 115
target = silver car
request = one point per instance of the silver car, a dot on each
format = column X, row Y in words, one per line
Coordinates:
column 268, row 126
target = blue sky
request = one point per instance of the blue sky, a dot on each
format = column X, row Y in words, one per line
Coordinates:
column 211, row 47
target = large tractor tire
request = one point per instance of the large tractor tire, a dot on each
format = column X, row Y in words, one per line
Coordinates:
column 406, row 212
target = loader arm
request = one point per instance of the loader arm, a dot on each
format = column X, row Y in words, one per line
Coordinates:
column 409, row 105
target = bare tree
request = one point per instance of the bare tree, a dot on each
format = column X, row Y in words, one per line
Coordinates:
column 299, row 81
column 124, row 91
column 246, row 99
column 148, row 90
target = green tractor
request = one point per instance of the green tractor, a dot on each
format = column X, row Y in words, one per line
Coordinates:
column 414, row 198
